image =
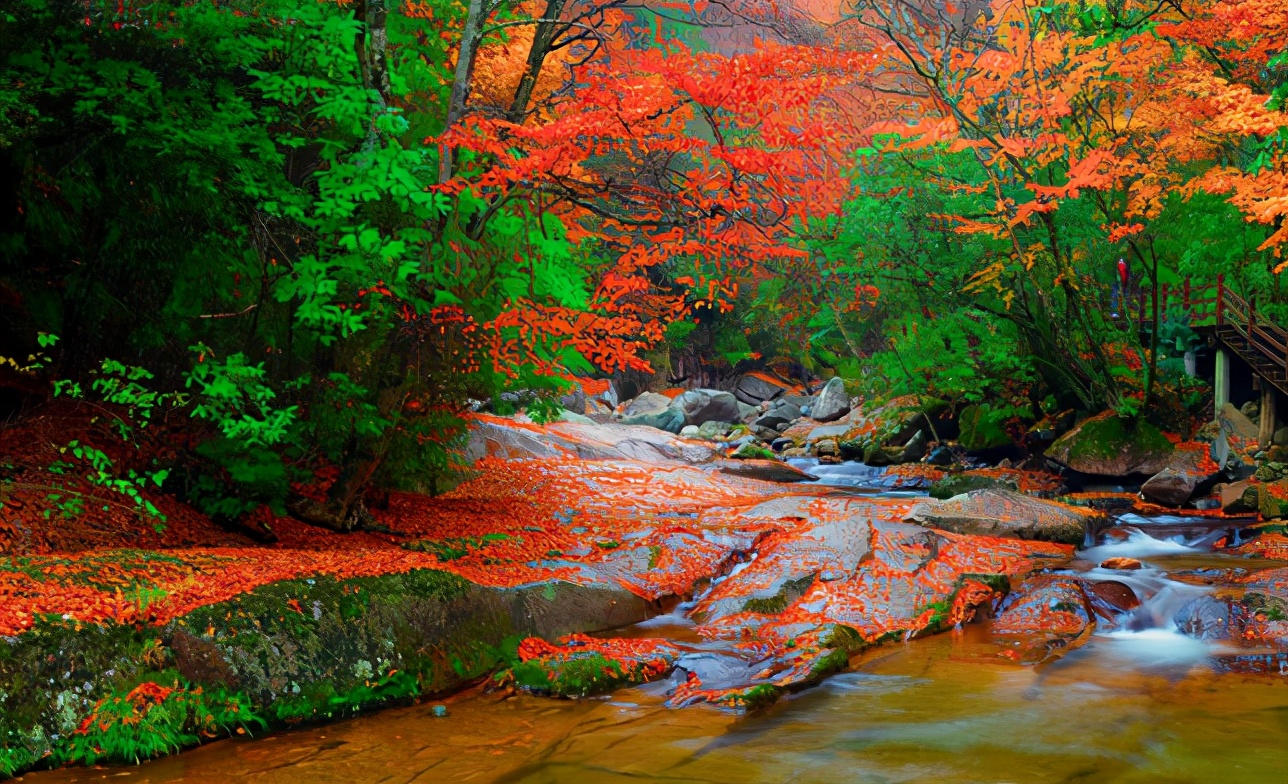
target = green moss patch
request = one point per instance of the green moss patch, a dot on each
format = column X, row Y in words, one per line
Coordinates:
column 289, row 652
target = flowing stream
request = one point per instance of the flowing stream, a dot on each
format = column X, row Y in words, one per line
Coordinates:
column 1139, row 702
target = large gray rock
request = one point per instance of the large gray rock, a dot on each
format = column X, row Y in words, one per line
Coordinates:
column 707, row 405
column 756, row 388
column 1238, row 497
column 647, row 403
column 831, row 402
column 512, row 440
column 669, row 419
column 1009, row 514
column 771, row 420
column 824, row 432
column 1175, row 485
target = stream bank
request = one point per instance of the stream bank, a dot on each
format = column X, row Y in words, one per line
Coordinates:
column 1127, row 706
column 783, row 585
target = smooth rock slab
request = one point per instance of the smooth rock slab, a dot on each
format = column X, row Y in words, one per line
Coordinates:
column 1009, row 514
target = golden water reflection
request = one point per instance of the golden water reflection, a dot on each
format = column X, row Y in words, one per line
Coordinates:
column 944, row 709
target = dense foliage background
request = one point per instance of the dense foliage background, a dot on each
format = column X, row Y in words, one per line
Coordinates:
column 306, row 234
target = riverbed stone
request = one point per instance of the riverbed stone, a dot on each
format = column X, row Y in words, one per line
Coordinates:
column 757, row 387
column 669, row 419
column 1044, row 603
column 1272, row 499
column 1009, row 514
column 1175, row 485
column 826, row 433
column 766, row 471
column 707, row 405
column 832, row 402
column 778, row 417
column 1113, row 446
column 1207, row 618
column 1238, row 497
column 647, row 403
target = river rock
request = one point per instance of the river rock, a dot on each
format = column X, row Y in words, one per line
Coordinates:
column 1120, row 563
column 756, row 388
column 647, row 403
column 1175, row 485
column 574, row 401
column 778, row 417
column 669, row 419
column 1238, row 497
column 1206, row 618
column 714, row 430
column 572, row 416
column 752, row 450
column 826, row 432
column 1047, row 604
column 832, row 402
column 1109, row 445
column 707, row 405
column 1236, row 424
column 766, row 471
column 512, row 440
column 915, row 449
column 690, row 431
column 1111, row 595
column 1272, row 499
column 1280, row 437
column 1009, row 514
column 960, row 482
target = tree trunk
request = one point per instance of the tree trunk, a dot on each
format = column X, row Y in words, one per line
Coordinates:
column 470, row 37
column 542, row 39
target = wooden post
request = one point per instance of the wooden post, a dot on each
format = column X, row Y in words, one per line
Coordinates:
column 1221, row 384
column 1266, row 431
column 1220, row 297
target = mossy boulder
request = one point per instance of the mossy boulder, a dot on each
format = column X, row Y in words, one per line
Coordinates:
column 291, row 651
column 954, row 484
column 753, row 451
column 1113, row 446
column 1272, row 500
column 890, row 424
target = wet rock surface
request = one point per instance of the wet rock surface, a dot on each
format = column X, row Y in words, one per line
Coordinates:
column 1008, row 513
column 572, row 527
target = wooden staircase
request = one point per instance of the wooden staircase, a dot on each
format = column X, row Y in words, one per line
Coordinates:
column 1254, row 339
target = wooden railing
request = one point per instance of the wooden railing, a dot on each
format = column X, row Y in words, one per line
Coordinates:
column 1198, row 305
column 1261, row 342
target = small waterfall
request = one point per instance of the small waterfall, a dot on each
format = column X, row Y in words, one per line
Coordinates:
column 1139, row 544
